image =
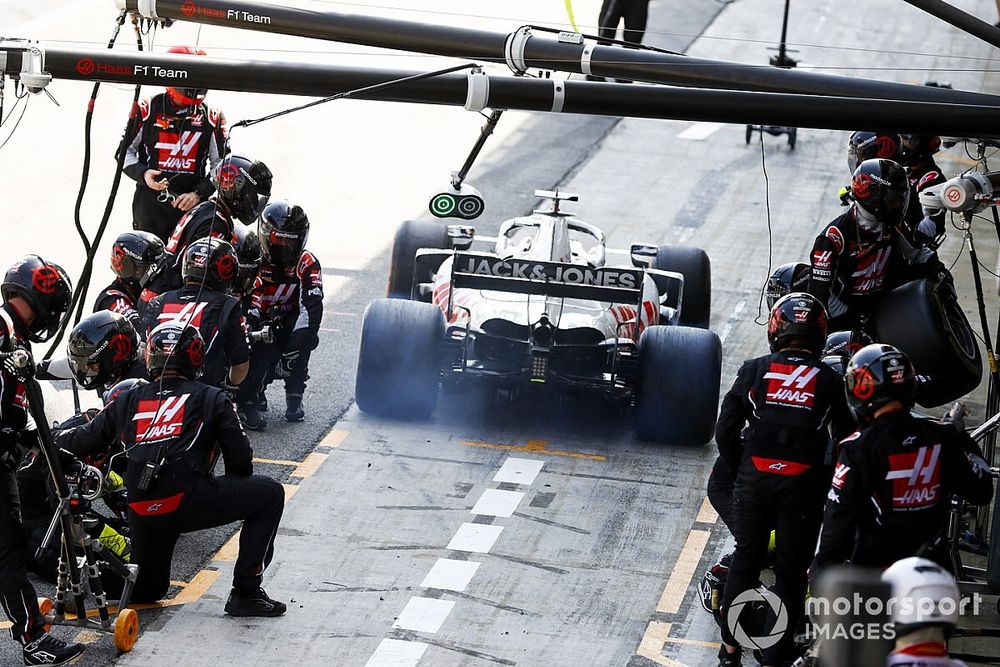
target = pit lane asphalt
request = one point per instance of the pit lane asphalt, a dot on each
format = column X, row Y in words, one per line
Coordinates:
column 578, row 575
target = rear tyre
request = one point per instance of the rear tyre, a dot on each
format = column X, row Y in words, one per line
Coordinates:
column 399, row 362
column 410, row 237
column 678, row 395
column 696, row 267
column 924, row 320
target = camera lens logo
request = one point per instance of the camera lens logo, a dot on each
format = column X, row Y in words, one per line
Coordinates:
column 756, row 599
column 188, row 9
column 85, row 66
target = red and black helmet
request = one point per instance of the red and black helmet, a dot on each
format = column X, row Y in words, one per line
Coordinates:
column 846, row 343
column 800, row 316
column 284, row 229
column 177, row 347
column 249, row 254
column 211, row 262
column 871, row 145
column 186, row 97
column 877, row 375
column 791, row 277
column 244, row 186
column 101, row 348
column 882, row 192
column 46, row 289
column 134, row 256
column 916, row 147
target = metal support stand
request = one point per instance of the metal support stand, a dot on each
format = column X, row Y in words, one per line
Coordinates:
column 79, row 573
column 783, row 61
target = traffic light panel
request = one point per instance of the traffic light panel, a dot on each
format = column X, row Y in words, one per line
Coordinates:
column 465, row 204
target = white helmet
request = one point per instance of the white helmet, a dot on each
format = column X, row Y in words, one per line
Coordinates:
column 924, row 594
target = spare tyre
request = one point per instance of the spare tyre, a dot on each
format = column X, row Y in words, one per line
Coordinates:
column 411, row 236
column 695, row 266
column 678, row 394
column 399, row 363
column 924, row 319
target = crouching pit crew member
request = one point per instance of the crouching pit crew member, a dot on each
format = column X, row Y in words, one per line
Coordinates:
column 36, row 298
column 891, row 492
column 170, row 430
column 134, row 257
column 788, row 401
column 209, row 270
column 288, row 298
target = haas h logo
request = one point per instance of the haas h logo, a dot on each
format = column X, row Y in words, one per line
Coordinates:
column 159, row 419
column 177, row 151
column 915, row 478
column 791, row 385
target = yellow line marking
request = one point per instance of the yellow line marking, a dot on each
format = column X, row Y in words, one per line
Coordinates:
column 335, row 438
column 707, row 513
column 290, row 490
column 684, row 569
column 693, row 642
column 534, row 447
column 310, row 465
column 179, row 584
column 277, row 462
column 651, row 646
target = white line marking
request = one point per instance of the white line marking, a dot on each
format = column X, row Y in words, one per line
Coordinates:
column 396, row 653
column 518, row 471
column 423, row 614
column 475, row 538
column 495, row 502
column 450, row 575
column 700, row 131
column 727, row 328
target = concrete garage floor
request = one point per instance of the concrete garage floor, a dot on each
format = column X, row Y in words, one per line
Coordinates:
column 535, row 534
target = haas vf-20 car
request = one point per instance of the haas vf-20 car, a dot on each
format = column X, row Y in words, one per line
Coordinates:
column 544, row 311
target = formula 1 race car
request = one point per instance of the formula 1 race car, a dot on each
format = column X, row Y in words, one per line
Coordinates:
column 544, row 310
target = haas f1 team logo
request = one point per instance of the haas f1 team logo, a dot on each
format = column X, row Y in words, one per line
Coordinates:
column 178, row 152
column 791, row 385
column 159, row 419
column 915, row 478
column 183, row 313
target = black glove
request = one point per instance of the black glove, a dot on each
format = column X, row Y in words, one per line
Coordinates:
column 230, row 389
column 283, row 369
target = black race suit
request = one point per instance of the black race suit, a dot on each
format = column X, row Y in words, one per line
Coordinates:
column 635, row 14
column 120, row 297
column 182, row 427
column 892, row 490
column 17, row 595
column 788, row 402
column 218, row 318
column 851, row 270
column 207, row 219
column 292, row 302
column 186, row 144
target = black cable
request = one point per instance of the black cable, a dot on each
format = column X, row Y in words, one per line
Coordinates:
column 24, row 107
column 770, row 238
column 80, row 293
column 347, row 94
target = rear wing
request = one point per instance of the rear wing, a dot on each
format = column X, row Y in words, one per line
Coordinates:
column 483, row 271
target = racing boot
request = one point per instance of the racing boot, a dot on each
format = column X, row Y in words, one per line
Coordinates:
column 253, row 603
column 729, row 659
column 47, row 650
column 293, row 408
column 250, row 417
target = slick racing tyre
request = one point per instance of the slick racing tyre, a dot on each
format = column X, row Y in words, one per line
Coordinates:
column 924, row 319
column 695, row 266
column 678, row 394
column 400, row 357
column 410, row 237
